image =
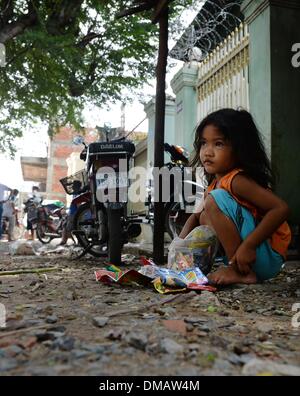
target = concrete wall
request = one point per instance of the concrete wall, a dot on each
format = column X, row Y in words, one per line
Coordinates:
column 184, row 85
column 275, row 89
column 169, row 127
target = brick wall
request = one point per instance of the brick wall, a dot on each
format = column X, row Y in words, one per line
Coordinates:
column 60, row 148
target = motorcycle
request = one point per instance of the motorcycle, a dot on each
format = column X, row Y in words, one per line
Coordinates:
column 102, row 223
column 47, row 218
column 80, row 217
column 176, row 210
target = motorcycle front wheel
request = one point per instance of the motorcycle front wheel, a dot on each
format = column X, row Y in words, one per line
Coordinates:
column 41, row 229
column 83, row 221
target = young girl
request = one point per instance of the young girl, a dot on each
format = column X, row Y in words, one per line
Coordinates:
column 248, row 218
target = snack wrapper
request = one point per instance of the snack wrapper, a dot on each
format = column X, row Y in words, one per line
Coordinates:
column 197, row 249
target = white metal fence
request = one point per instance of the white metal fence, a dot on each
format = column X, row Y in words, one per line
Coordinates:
column 223, row 75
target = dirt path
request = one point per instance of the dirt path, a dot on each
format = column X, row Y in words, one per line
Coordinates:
column 61, row 323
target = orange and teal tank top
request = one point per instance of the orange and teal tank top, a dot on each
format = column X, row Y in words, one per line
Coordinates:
column 281, row 238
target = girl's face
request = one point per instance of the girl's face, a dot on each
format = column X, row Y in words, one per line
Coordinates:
column 216, row 153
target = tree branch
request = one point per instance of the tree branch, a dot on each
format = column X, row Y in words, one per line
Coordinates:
column 13, row 29
column 87, row 39
column 7, row 12
column 63, row 16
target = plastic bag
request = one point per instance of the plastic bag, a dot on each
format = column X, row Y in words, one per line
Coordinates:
column 197, row 249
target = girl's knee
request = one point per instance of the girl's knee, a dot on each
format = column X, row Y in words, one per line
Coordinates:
column 211, row 203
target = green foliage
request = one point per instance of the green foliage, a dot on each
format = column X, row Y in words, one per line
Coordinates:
column 68, row 54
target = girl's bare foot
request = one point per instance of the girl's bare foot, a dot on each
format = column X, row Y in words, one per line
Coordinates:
column 228, row 276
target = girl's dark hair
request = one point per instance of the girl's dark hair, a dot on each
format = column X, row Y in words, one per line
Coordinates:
column 239, row 129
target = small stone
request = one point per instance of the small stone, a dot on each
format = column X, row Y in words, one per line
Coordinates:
column 234, row 359
column 47, row 310
column 278, row 312
column 129, row 351
column 13, row 350
column 37, row 287
column 8, row 364
column 93, row 348
column 137, row 340
column 262, row 310
column 41, row 371
column 57, row 329
column 14, row 325
column 51, row 319
column 201, row 334
column 153, row 348
column 240, row 349
column 100, row 306
column 71, row 295
column 188, row 372
column 177, row 326
column 223, row 365
column 6, row 341
column 268, row 367
column 79, row 353
column 64, row 343
column 29, row 342
column 114, row 334
column 43, row 335
column 192, row 354
column 95, row 299
column 170, row 346
column 100, row 321
column 194, row 347
column 224, row 313
column 218, row 341
column 264, row 327
column 263, row 337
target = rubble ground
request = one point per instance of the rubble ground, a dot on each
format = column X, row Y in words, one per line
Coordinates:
column 63, row 322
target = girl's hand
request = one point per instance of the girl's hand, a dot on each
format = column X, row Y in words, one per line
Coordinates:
column 243, row 258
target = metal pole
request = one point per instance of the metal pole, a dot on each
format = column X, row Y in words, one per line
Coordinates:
column 158, row 232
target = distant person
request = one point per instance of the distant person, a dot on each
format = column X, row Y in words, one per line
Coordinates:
column 33, row 198
column 9, row 211
column 3, row 194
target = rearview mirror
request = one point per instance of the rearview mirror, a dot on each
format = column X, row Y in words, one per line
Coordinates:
column 78, row 140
